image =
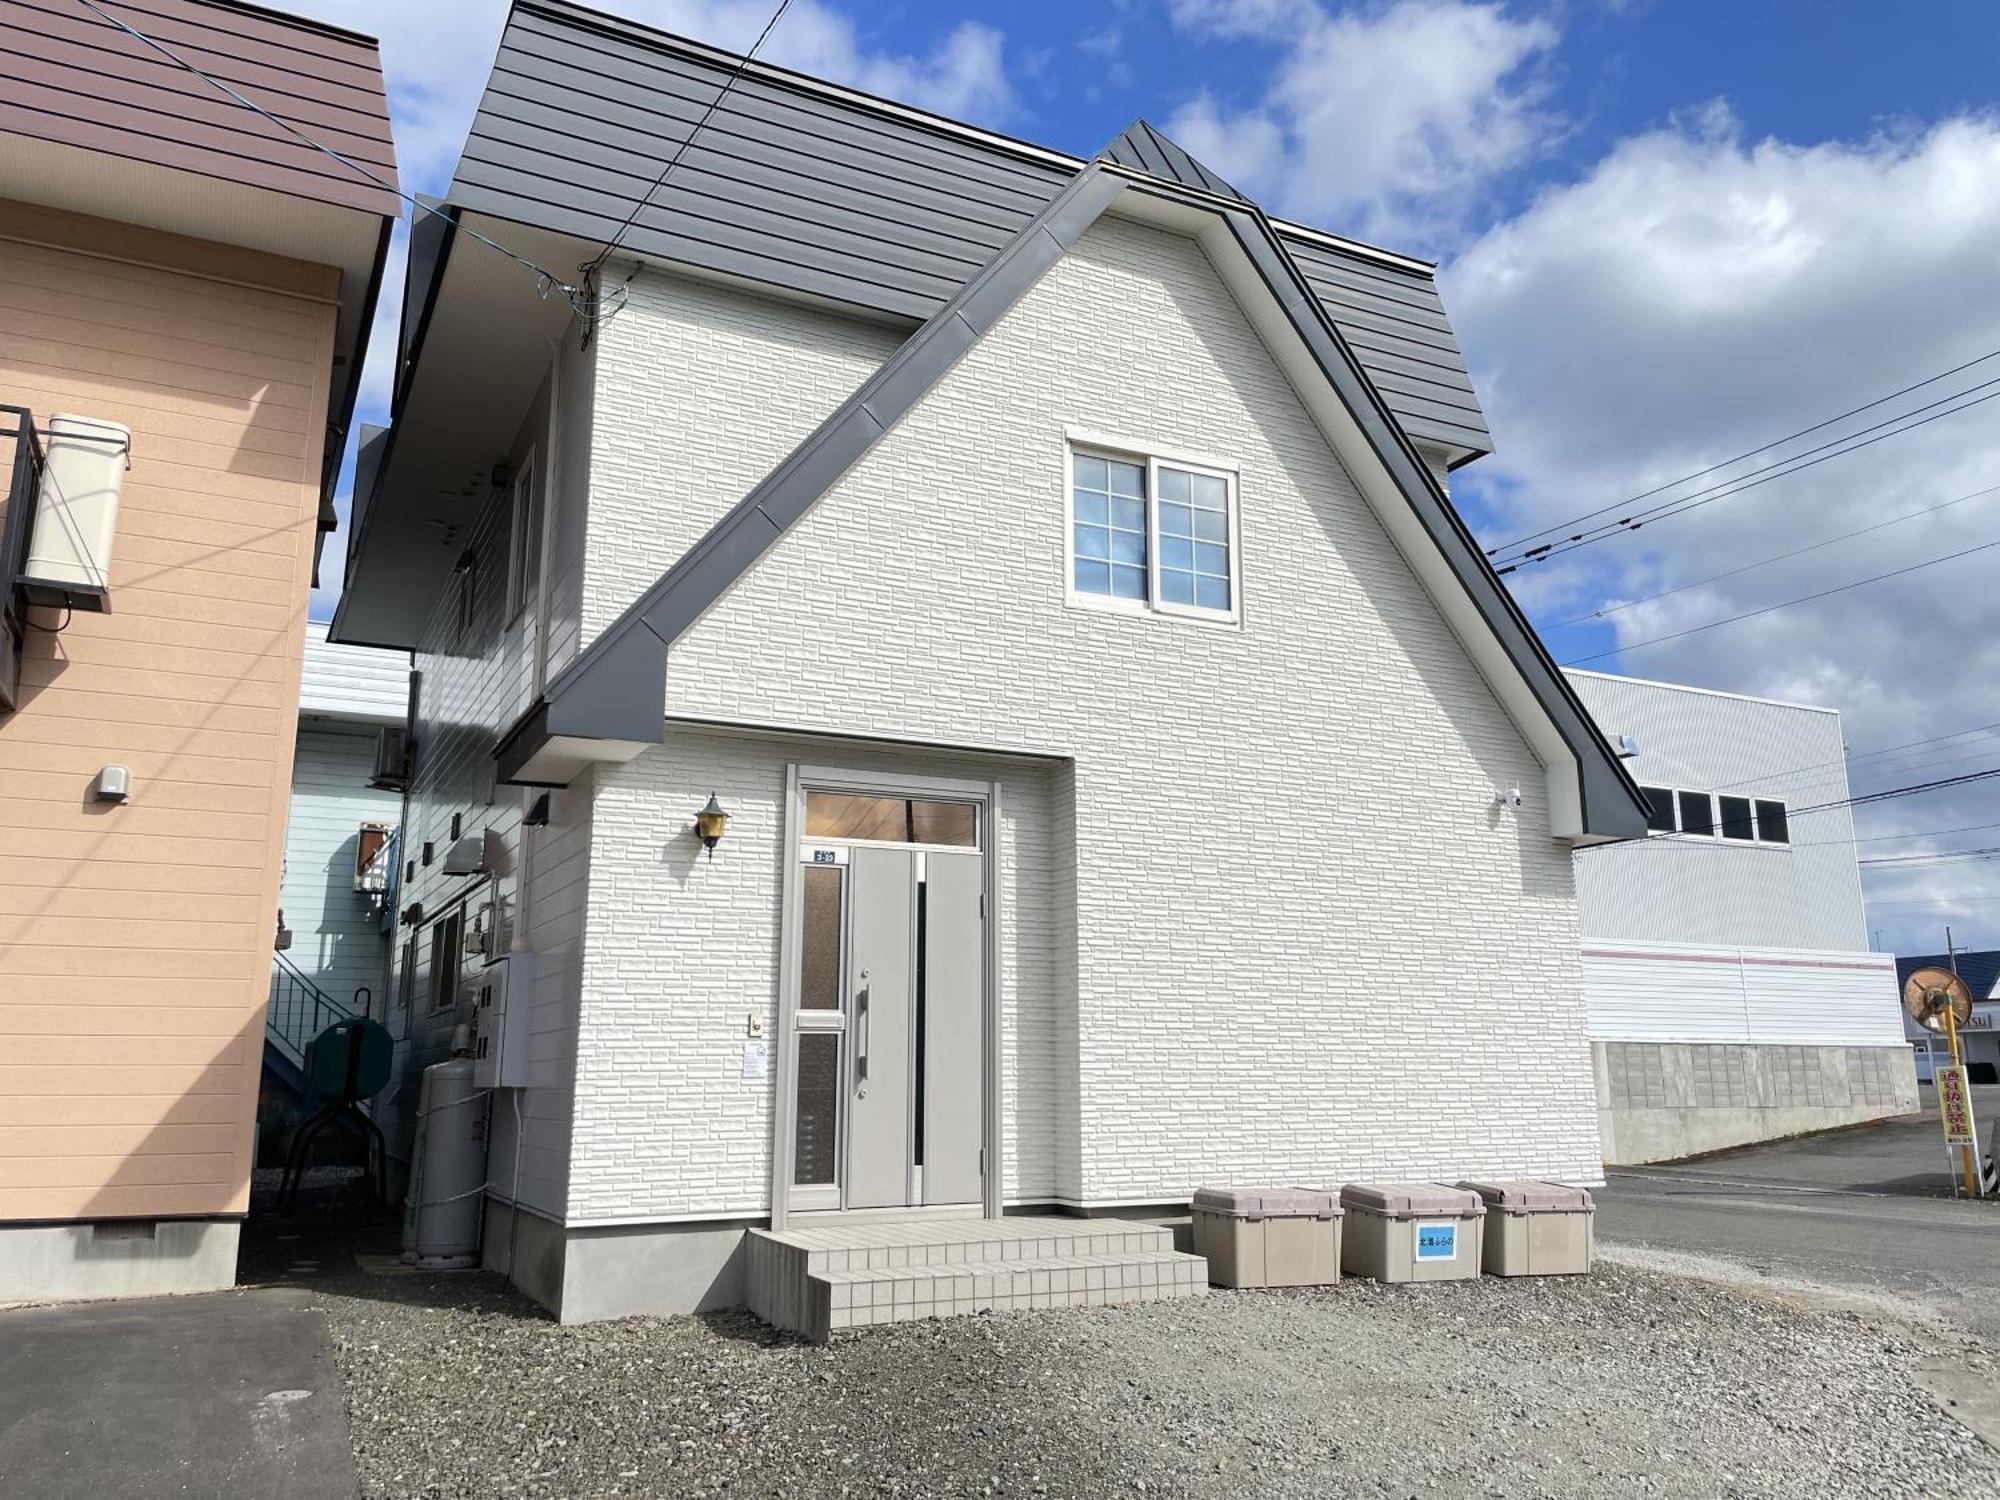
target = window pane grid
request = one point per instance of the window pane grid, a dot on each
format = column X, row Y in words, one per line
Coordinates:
column 1108, row 497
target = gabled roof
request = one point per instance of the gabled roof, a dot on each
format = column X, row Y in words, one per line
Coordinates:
column 811, row 188
column 615, row 691
column 792, row 185
column 1144, row 149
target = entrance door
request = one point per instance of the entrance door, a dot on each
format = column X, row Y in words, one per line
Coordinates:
column 914, row 1014
column 889, row 1089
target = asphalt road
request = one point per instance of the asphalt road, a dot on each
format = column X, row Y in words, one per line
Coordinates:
column 233, row 1396
column 1861, row 1211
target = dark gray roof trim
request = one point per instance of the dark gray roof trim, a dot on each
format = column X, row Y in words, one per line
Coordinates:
column 1144, row 149
column 616, row 690
column 807, row 189
column 1612, row 806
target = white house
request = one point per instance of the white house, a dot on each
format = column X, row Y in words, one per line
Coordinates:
column 1730, row 989
column 1047, row 566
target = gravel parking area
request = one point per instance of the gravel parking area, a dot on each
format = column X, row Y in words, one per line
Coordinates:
column 1628, row 1383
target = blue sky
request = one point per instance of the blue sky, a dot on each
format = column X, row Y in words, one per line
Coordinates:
column 1667, row 233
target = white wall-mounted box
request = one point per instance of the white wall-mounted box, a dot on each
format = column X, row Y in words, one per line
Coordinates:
column 504, row 1001
column 76, row 513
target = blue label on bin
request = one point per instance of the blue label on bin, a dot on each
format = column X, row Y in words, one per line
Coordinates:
column 1437, row 1241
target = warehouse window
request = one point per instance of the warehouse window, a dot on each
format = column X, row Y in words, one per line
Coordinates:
column 1698, row 813
column 1772, row 826
column 1736, row 823
column 1659, row 809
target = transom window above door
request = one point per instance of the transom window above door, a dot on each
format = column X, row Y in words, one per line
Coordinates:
column 1152, row 533
column 892, row 820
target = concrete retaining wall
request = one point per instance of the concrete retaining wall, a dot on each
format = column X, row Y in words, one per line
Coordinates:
column 1657, row 1101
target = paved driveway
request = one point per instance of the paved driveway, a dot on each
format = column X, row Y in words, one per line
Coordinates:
column 1860, row 1210
column 233, row 1396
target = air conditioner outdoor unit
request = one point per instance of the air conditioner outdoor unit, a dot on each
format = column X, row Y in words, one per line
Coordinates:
column 392, row 761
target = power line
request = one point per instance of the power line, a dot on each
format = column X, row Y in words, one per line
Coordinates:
column 742, row 63
column 1745, row 482
column 1850, row 761
column 547, row 281
column 1883, row 838
column 1940, row 857
column 1748, row 453
column 1847, row 536
column 1899, row 791
column 1751, row 614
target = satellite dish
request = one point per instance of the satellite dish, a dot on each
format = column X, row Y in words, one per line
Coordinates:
column 1928, row 992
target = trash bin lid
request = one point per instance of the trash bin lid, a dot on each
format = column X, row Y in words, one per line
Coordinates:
column 1411, row 1200
column 1524, row 1196
column 1268, row 1203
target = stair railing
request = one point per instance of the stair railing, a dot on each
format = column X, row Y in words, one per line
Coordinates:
column 299, row 1009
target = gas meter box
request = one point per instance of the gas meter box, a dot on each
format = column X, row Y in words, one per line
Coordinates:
column 504, row 1002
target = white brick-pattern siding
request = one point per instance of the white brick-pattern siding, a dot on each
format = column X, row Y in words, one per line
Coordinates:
column 1286, row 934
column 701, row 391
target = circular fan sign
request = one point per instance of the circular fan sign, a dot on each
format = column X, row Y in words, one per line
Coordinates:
column 1928, row 993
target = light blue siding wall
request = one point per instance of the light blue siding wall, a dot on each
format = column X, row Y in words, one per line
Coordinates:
column 337, row 937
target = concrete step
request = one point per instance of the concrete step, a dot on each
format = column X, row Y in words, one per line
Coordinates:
column 888, row 1270
column 839, row 1300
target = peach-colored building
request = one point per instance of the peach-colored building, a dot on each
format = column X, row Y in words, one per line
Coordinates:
column 196, row 283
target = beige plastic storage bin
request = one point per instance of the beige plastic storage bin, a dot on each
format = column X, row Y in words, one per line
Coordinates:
column 1536, row 1228
column 1268, row 1236
column 1411, row 1231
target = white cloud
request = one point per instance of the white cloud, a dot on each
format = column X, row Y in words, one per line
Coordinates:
column 1697, row 293
column 1387, row 122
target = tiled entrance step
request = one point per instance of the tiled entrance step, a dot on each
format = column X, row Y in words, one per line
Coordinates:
column 833, row 1275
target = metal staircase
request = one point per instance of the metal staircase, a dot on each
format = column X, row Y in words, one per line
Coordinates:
column 298, row 1010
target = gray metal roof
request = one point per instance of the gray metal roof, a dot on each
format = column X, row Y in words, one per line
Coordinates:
column 616, row 689
column 810, row 188
column 1144, row 149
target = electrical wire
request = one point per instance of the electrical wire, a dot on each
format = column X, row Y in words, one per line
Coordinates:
column 1900, row 791
column 1745, row 482
column 596, row 262
column 1850, row 761
column 1751, row 614
column 578, row 297
column 1846, row 536
column 1748, row 453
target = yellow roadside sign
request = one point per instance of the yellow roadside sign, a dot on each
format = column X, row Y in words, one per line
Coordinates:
column 1955, row 1104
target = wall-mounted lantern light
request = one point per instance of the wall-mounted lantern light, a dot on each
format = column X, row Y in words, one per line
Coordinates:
column 710, row 823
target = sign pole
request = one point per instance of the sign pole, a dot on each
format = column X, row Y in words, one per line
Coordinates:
column 1968, row 1135
column 1956, row 1101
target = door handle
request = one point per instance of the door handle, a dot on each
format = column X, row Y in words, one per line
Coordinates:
column 861, row 1030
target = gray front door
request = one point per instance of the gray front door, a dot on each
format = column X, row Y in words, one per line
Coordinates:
column 915, row 990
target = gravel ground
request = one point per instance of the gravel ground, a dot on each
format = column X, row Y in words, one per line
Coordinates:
column 1629, row 1383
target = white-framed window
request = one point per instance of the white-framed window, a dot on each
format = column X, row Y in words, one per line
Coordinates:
column 1744, row 820
column 524, row 537
column 1151, row 531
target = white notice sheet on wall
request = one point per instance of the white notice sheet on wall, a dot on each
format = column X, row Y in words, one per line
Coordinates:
column 756, row 1061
